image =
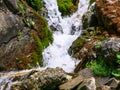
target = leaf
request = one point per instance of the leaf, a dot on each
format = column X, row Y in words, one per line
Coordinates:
column 116, row 73
column 118, row 56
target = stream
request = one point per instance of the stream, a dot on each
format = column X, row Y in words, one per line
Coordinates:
column 56, row 55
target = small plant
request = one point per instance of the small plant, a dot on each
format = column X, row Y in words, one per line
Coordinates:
column 35, row 4
column 21, row 7
column 66, row 7
column 99, row 66
column 116, row 73
column 98, row 45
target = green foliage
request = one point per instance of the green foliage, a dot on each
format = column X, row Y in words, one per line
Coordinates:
column 19, row 36
column 21, row 7
column 35, row 4
column 66, row 7
column 99, row 67
column 37, row 56
column 116, row 73
column 43, row 37
column 98, row 45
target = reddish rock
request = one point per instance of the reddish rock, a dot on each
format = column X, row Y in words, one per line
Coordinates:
column 108, row 15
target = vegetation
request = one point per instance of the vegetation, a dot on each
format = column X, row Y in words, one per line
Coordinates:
column 21, row 7
column 66, row 7
column 42, row 38
column 102, row 68
column 35, row 4
column 39, row 30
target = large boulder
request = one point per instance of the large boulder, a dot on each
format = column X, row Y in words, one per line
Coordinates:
column 22, row 35
column 107, row 13
column 48, row 79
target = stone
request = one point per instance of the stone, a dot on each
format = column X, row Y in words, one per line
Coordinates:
column 110, row 48
column 104, row 88
column 88, row 84
column 86, row 73
column 47, row 79
column 12, row 5
column 113, row 83
column 71, row 84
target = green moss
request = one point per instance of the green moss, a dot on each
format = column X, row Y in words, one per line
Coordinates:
column 66, row 7
column 35, row 4
column 21, row 7
column 43, row 37
column 37, row 55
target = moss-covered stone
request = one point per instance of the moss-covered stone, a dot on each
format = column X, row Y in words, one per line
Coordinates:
column 67, row 7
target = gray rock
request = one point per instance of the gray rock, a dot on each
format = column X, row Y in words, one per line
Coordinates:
column 47, row 79
column 12, row 5
column 110, row 48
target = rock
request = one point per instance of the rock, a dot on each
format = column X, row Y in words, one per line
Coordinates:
column 76, row 46
column 71, row 84
column 56, row 27
column 113, row 83
column 89, row 20
column 47, row 79
column 104, row 88
column 12, row 5
column 86, row 73
column 18, row 45
column 107, row 13
column 110, row 48
column 88, row 84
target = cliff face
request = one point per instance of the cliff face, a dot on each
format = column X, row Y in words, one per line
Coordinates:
column 108, row 14
column 22, row 36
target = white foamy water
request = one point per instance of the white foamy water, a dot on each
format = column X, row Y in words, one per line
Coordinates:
column 56, row 55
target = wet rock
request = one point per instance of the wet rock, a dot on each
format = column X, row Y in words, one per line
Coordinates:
column 89, row 20
column 47, row 79
column 76, row 46
column 56, row 27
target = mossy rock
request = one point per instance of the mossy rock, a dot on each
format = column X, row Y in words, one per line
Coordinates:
column 76, row 46
column 67, row 7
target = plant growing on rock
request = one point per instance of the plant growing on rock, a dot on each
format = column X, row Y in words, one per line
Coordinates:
column 35, row 4
column 66, row 7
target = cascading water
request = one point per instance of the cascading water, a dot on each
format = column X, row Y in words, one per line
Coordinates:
column 56, row 55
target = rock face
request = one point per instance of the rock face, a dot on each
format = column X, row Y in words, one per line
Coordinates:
column 107, row 13
column 20, row 34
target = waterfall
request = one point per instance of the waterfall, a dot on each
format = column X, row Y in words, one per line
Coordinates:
column 56, row 55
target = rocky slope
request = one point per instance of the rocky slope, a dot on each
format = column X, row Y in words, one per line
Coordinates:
column 22, row 32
